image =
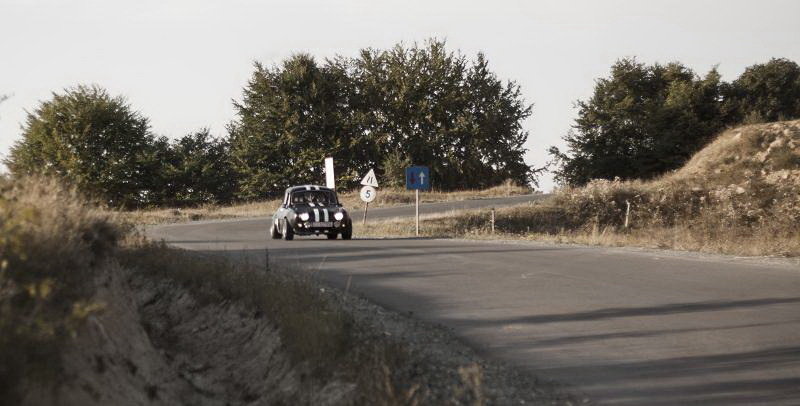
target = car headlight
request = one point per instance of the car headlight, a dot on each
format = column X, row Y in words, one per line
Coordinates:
column 338, row 215
column 304, row 216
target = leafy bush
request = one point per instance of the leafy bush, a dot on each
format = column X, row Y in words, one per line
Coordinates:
column 645, row 120
column 93, row 140
column 197, row 171
column 394, row 169
column 766, row 92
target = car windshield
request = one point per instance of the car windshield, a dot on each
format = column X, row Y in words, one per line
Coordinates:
column 317, row 197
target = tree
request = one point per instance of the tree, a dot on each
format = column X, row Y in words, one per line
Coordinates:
column 766, row 92
column 394, row 169
column 197, row 170
column 424, row 103
column 91, row 139
column 640, row 122
column 286, row 126
column 442, row 110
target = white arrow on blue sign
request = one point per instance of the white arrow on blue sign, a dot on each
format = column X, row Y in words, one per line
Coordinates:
column 418, row 178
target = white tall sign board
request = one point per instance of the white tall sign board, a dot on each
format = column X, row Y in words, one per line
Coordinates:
column 330, row 180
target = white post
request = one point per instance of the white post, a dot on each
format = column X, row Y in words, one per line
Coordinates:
column 492, row 220
column 417, row 210
column 330, row 180
column 366, row 206
column 627, row 213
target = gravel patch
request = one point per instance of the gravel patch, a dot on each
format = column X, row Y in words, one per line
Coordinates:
column 442, row 367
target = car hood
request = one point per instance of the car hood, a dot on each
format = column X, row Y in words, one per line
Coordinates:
column 319, row 213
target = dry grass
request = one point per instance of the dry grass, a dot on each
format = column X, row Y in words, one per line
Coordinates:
column 312, row 330
column 387, row 197
column 740, row 195
column 51, row 243
column 206, row 212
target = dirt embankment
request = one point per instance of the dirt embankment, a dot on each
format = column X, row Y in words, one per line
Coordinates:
column 154, row 343
column 158, row 341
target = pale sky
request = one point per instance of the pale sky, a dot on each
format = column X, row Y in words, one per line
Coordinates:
column 181, row 63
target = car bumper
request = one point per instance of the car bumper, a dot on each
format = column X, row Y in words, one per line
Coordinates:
column 310, row 227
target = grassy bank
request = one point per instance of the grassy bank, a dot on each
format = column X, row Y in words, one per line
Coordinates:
column 387, row 197
column 53, row 247
column 740, row 195
column 51, row 244
column 316, row 333
column 91, row 312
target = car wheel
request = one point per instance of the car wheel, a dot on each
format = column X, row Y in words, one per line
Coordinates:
column 274, row 233
column 348, row 232
column 331, row 236
column 288, row 233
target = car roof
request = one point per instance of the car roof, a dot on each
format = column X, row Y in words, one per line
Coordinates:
column 307, row 187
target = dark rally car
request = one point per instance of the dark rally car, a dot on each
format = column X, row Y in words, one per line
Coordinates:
column 311, row 210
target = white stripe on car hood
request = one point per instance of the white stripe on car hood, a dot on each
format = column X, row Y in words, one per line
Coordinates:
column 316, row 214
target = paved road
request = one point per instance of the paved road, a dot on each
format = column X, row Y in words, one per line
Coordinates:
column 625, row 326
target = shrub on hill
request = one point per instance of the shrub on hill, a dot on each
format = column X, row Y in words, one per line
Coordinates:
column 745, row 184
column 645, row 120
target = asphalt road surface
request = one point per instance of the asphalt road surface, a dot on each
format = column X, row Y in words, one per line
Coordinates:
column 625, row 326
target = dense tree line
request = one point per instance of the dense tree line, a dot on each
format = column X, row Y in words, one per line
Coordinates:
column 388, row 109
column 406, row 105
column 99, row 143
column 644, row 120
column 384, row 109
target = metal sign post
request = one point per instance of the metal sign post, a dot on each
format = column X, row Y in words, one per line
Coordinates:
column 368, row 194
column 418, row 178
column 416, row 192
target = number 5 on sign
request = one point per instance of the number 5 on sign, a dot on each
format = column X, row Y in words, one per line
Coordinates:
column 368, row 194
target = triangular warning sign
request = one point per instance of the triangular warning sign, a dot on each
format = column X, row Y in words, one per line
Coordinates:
column 370, row 179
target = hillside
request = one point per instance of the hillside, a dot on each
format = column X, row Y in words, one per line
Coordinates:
column 738, row 195
column 767, row 153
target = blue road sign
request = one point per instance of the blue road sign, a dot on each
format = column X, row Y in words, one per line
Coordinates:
column 418, row 178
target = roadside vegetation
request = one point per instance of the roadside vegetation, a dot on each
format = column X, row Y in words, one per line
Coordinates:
column 739, row 195
column 644, row 121
column 387, row 197
column 92, row 313
column 51, row 245
column 55, row 246
column 385, row 109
